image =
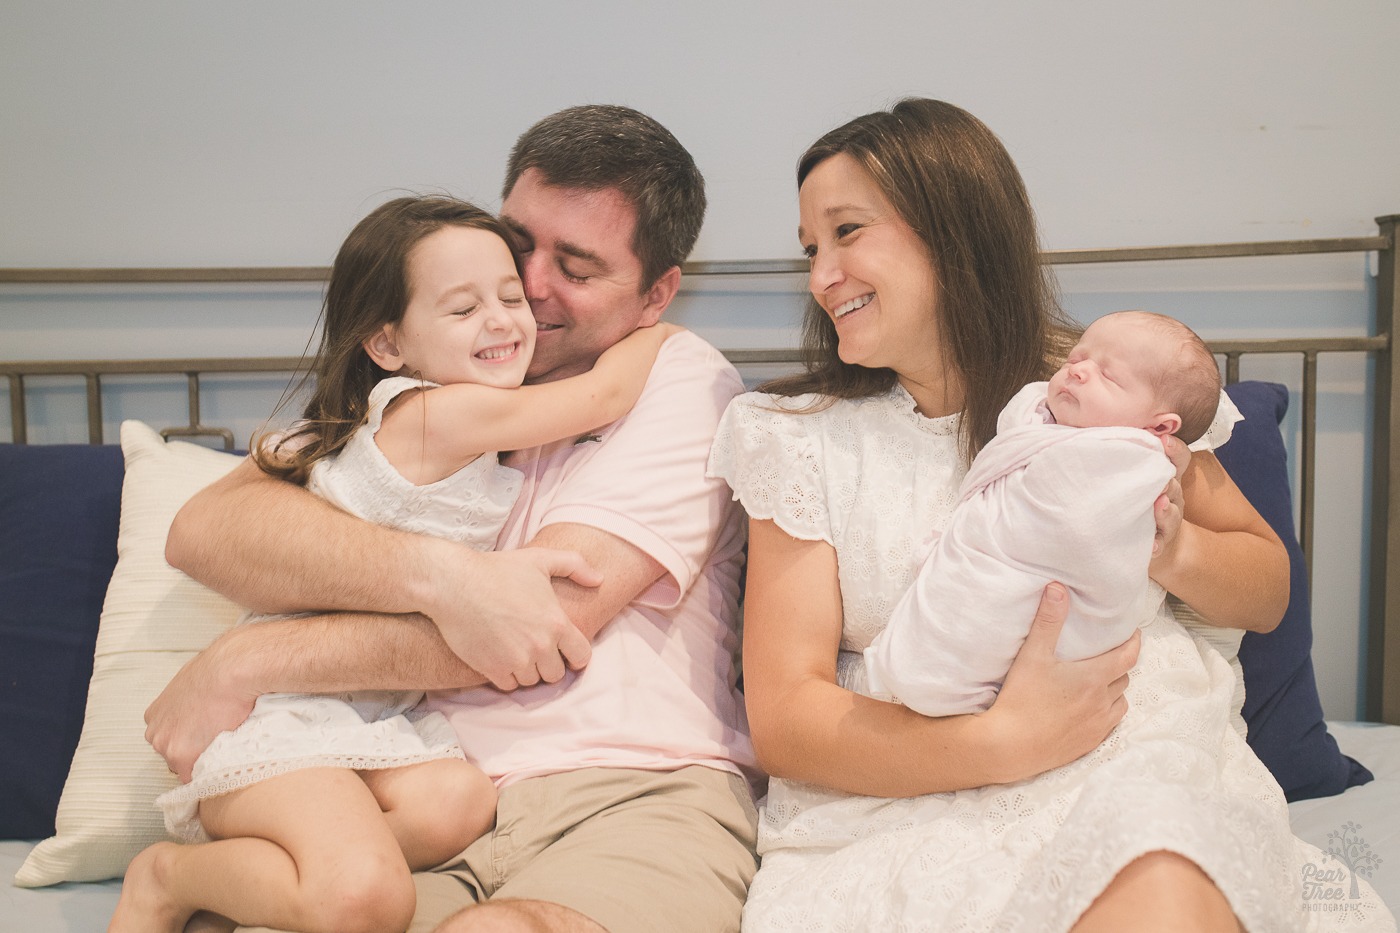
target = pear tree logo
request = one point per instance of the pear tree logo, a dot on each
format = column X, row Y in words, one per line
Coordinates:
column 1334, row 887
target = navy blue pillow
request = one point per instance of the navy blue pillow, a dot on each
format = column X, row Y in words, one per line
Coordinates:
column 1281, row 707
column 58, row 544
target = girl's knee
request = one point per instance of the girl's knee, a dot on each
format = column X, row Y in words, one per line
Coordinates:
column 463, row 808
column 364, row 893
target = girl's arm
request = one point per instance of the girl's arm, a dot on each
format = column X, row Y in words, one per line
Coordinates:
column 807, row 728
column 429, row 435
column 1224, row 560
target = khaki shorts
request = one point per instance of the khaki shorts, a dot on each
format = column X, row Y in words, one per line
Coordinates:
column 643, row 851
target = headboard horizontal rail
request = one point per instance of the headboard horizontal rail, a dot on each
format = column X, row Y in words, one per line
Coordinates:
column 201, row 274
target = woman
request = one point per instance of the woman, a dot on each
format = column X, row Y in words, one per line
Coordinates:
column 930, row 310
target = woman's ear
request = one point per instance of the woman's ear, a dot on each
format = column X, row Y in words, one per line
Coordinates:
column 382, row 347
column 1165, row 423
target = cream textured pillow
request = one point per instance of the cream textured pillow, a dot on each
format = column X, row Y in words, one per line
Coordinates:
column 154, row 619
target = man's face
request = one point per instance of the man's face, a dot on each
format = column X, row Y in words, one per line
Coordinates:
column 583, row 281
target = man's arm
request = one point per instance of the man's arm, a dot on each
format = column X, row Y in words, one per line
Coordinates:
column 365, row 651
column 276, row 547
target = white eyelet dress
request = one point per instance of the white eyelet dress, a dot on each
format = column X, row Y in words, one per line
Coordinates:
column 874, row 478
column 366, row 729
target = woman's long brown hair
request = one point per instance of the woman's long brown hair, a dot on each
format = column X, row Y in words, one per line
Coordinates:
column 953, row 182
column 369, row 287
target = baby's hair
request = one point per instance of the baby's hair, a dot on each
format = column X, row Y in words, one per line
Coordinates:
column 369, row 287
column 1189, row 381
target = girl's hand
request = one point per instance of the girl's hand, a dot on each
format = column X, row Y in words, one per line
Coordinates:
column 641, row 345
column 1051, row 711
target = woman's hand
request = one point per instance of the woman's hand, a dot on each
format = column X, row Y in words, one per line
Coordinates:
column 1171, row 504
column 1051, row 711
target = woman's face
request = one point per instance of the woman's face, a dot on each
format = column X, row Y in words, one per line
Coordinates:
column 870, row 272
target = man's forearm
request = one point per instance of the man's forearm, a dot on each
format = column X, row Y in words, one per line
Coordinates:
column 275, row 547
column 216, row 690
column 338, row 652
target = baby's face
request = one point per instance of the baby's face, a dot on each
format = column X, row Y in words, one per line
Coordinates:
column 1106, row 381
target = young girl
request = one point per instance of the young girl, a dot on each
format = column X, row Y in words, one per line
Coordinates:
column 321, row 806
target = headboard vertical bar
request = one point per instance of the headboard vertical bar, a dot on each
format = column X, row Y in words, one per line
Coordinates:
column 194, row 398
column 1307, row 464
column 1232, row 367
column 1383, row 635
column 94, row 407
column 19, row 428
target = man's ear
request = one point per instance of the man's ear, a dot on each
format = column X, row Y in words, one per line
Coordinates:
column 382, row 347
column 660, row 295
column 1165, row 423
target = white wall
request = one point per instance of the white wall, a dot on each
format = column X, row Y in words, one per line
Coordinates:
column 176, row 133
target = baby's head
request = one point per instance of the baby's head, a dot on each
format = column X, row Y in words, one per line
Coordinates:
column 1137, row 369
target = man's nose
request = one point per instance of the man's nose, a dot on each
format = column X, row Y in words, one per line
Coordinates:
column 536, row 277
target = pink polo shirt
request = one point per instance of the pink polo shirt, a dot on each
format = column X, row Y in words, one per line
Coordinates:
column 659, row 691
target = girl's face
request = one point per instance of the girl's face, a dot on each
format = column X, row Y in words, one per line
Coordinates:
column 870, row 272
column 467, row 319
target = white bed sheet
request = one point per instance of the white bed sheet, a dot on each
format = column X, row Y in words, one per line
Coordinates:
column 1373, row 810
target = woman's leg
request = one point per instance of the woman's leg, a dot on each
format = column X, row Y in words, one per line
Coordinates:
column 435, row 809
column 309, row 850
column 1161, row 891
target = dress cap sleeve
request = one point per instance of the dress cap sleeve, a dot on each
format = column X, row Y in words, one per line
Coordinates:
column 769, row 453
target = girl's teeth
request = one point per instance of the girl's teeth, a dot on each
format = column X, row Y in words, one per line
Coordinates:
column 495, row 353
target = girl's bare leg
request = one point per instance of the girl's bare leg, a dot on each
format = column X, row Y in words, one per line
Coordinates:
column 435, row 809
column 309, row 850
column 1161, row 891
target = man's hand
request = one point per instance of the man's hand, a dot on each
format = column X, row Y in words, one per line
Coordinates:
column 1055, row 711
column 500, row 615
column 195, row 707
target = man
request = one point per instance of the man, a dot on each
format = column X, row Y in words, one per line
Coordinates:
column 623, row 802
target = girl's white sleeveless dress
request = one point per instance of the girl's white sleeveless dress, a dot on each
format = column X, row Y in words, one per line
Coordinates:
column 874, row 478
column 366, row 729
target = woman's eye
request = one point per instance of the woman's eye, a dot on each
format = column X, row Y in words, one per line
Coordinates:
column 845, row 230
column 810, row 252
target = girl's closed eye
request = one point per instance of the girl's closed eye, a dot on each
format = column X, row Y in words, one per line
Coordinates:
column 464, row 312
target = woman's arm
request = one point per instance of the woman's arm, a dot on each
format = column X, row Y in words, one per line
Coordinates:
column 1224, row 560
column 430, row 435
column 807, row 728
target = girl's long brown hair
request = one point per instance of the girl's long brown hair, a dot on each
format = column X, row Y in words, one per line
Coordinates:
column 369, row 287
column 953, row 182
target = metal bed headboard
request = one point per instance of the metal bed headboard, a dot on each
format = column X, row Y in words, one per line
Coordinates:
column 1382, row 701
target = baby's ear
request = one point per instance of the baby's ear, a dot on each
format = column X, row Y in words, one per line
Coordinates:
column 1165, row 423
column 382, row 347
